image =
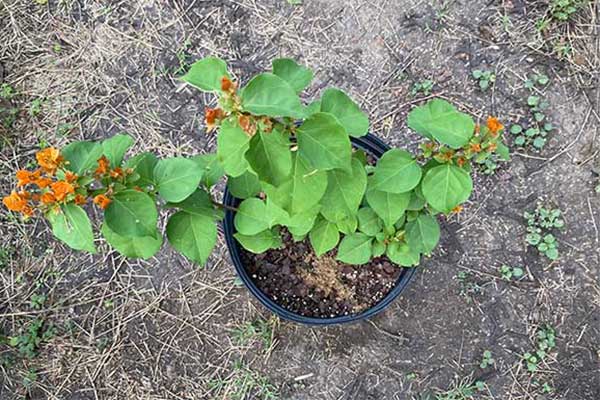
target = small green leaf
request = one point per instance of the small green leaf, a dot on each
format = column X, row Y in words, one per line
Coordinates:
column 298, row 76
column 368, row 221
column 71, row 225
column 114, row 148
column 344, row 192
column 396, row 172
column 324, row 236
column 198, row 203
column 348, row 224
column 423, row 234
column 539, row 142
column 131, row 214
column 270, row 157
column 252, row 217
column 143, row 247
column 206, row 74
column 261, row 242
column 82, row 156
column 300, row 224
column 244, row 186
column 211, row 169
column 268, row 94
column 232, row 145
column 533, row 101
column 520, row 140
column 378, row 248
column 389, row 206
column 402, row 254
column 338, row 103
column 193, row 235
column 446, row 186
column 516, row 129
column 355, row 249
column 143, row 164
column 176, row 178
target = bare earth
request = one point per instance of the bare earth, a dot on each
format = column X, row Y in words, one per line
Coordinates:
column 165, row 329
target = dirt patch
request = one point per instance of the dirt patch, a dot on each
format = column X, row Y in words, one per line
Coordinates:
column 320, row 287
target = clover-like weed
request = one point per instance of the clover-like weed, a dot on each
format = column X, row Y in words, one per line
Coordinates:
column 545, row 342
column 487, row 359
column 509, row 273
column 540, row 224
column 485, row 79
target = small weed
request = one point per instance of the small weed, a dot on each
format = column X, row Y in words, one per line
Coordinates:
column 294, row 2
column 535, row 130
column 64, row 129
column 487, row 359
column 563, row 10
column 243, row 384
column 28, row 342
column 545, row 342
column 6, row 254
column 37, row 301
column 7, row 92
column 30, row 378
column 263, row 330
column 57, row 48
column 484, row 78
column 540, row 222
column 509, row 273
column 468, row 287
column 424, row 87
column 465, row 389
column 35, row 108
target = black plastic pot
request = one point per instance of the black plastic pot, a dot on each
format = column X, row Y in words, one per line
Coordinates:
column 371, row 145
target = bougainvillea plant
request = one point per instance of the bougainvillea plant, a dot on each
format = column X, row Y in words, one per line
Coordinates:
column 292, row 165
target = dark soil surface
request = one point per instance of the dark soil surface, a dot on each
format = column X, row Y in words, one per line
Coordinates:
column 322, row 287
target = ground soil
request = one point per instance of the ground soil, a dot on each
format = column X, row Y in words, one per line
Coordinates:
column 166, row 329
column 321, row 287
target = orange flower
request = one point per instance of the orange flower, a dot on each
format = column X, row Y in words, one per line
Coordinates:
column 226, row 84
column 460, row 161
column 70, row 176
column 247, row 125
column 25, row 177
column 494, row 125
column 48, row 198
column 27, row 211
column 49, row 159
column 116, row 173
column 102, row 201
column 211, row 115
column 80, row 200
column 103, row 166
column 16, row 201
column 61, row 190
column 43, row 182
column 457, row 209
column 475, row 147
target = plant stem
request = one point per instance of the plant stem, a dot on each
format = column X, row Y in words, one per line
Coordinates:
column 223, row 206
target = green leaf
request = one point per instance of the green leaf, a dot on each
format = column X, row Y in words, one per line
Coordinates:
column 193, row 235
column 298, row 76
column 348, row 224
column 344, row 192
column 396, row 172
column 82, row 156
column 268, row 94
column 143, row 247
column 253, row 217
column 198, row 203
column 324, row 142
column 270, row 156
column 355, row 249
column 324, row 236
column 206, row 74
column 503, row 151
column 336, row 102
column 516, row 129
column 131, row 214
column 261, row 242
column 71, row 225
column 143, row 164
column 388, row 206
column 114, row 148
column 312, row 108
column 232, row 145
column 378, row 248
column 402, row 254
column 211, row 169
column 440, row 120
column 176, row 178
column 423, row 234
column 244, row 186
column 539, row 142
column 300, row 224
column 368, row 221
column 446, row 186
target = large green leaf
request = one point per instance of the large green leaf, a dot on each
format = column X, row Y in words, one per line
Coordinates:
column 114, row 148
column 211, row 168
column 402, row 254
column 71, row 224
column 298, row 76
column 300, row 224
column 323, row 141
column 82, row 156
column 355, row 249
column 423, row 233
column 198, row 203
column 344, row 193
column 270, row 157
column 396, row 172
column 143, row 164
column 244, row 186
column 336, row 102
column 446, row 186
column 324, row 236
column 252, row 217
column 268, row 94
column 389, row 206
column 176, row 178
column 131, row 214
column 369, row 222
column 440, row 120
column 232, row 145
column 193, row 235
column 206, row 74
column 261, row 242
column 143, row 247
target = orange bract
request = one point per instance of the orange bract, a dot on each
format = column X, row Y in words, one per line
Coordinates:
column 48, row 198
column 25, row 177
column 116, row 173
column 211, row 115
column 49, row 159
column 457, row 209
column 102, row 201
column 80, row 200
column 43, row 182
column 70, row 177
column 494, row 125
column 103, row 166
column 475, row 147
column 16, row 201
column 62, row 189
column 226, row 84
column 247, row 125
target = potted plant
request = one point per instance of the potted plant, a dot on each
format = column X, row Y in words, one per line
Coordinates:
column 323, row 221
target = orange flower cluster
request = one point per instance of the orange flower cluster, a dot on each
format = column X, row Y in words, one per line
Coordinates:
column 228, row 86
column 494, row 125
column 211, row 116
column 102, row 201
column 247, row 124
